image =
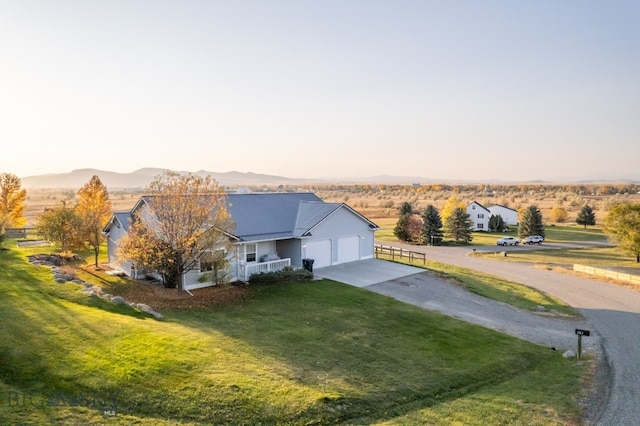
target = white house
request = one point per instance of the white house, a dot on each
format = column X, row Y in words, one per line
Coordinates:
column 509, row 216
column 273, row 231
column 479, row 216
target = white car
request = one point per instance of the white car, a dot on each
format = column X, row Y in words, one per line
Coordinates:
column 533, row 239
column 508, row 241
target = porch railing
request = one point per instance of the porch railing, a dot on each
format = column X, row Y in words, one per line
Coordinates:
column 271, row 266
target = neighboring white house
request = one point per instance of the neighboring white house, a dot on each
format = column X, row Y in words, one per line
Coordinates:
column 479, row 216
column 509, row 216
column 273, row 231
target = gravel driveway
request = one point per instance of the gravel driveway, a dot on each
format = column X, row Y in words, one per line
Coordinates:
column 429, row 292
column 611, row 311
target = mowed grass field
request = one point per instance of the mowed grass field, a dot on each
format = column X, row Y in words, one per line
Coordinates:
column 312, row 353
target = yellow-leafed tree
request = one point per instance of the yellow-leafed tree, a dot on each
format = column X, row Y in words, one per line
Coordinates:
column 12, row 197
column 186, row 220
column 453, row 203
column 94, row 210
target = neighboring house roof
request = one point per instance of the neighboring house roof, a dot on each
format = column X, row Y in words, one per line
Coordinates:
column 503, row 207
column 477, row 203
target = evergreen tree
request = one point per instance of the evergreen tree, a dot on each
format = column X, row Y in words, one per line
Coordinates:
column 496, row 223
column 401, row 229
column 586, row 216
column 458, row 226
column 531, row 222
column 431, row 226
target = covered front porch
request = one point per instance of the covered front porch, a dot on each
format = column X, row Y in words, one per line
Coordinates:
column 246, row 270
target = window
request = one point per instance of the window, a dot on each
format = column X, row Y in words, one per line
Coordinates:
column 209, row 258
column 250, row 252
column 480, row 216
column 206, row 266
column 480, row 225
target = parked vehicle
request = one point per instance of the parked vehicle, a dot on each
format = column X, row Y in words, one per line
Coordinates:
column 508, row 241
column 533, row 239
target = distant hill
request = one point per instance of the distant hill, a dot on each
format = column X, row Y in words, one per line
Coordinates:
column 142, row 177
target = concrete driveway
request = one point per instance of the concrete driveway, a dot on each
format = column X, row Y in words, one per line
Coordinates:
column 364, row 273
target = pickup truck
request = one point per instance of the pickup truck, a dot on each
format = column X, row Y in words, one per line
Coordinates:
column 508, row 241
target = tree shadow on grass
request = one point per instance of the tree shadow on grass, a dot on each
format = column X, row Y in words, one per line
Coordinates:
column 366, row 356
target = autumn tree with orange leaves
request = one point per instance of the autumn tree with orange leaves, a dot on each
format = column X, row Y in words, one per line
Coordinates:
column 94, row 210
column 184, row 218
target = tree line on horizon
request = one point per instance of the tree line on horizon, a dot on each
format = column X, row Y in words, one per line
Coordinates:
column 71, row 227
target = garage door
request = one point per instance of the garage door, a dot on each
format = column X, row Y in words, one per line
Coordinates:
column 348, row 249
column 320, row 252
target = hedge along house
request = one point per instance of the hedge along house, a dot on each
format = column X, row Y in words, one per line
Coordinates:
column 272, row 231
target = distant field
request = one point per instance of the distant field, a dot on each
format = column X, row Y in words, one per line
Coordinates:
column 379, row 202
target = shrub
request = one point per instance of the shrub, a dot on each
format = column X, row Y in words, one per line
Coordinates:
column 285, row 275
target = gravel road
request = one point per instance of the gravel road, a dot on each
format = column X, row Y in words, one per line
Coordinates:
column 610, row 311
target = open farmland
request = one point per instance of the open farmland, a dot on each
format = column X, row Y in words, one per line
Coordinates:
column 382, row 201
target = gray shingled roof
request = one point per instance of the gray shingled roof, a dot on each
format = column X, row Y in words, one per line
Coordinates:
column 268, row 216
column 265, row 216
column 121, row 217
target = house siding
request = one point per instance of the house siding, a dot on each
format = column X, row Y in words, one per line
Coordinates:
column 479, row 216
column 344, row 223
column 115, row 234
column 509, row 216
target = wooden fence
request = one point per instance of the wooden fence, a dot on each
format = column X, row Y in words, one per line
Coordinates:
column 394, row 252
column 607, row 273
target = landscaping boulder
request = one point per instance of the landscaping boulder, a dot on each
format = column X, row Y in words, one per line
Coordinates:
column 148, row 309
column 118, row 300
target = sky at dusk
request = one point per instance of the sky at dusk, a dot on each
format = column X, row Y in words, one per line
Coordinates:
column 466, row 90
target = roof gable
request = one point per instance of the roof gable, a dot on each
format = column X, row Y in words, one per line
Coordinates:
column 311, row 213
column 478, row 204
column 119, row 219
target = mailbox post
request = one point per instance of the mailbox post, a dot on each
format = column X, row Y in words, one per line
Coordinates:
column 581, row 333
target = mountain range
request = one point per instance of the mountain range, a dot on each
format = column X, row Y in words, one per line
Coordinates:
column 141, row 178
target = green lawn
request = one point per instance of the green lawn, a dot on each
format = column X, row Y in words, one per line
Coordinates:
column 313, row 353
column 591, row 256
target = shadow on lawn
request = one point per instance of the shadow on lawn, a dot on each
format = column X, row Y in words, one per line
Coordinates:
column 31, row 351
column 367, row 356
